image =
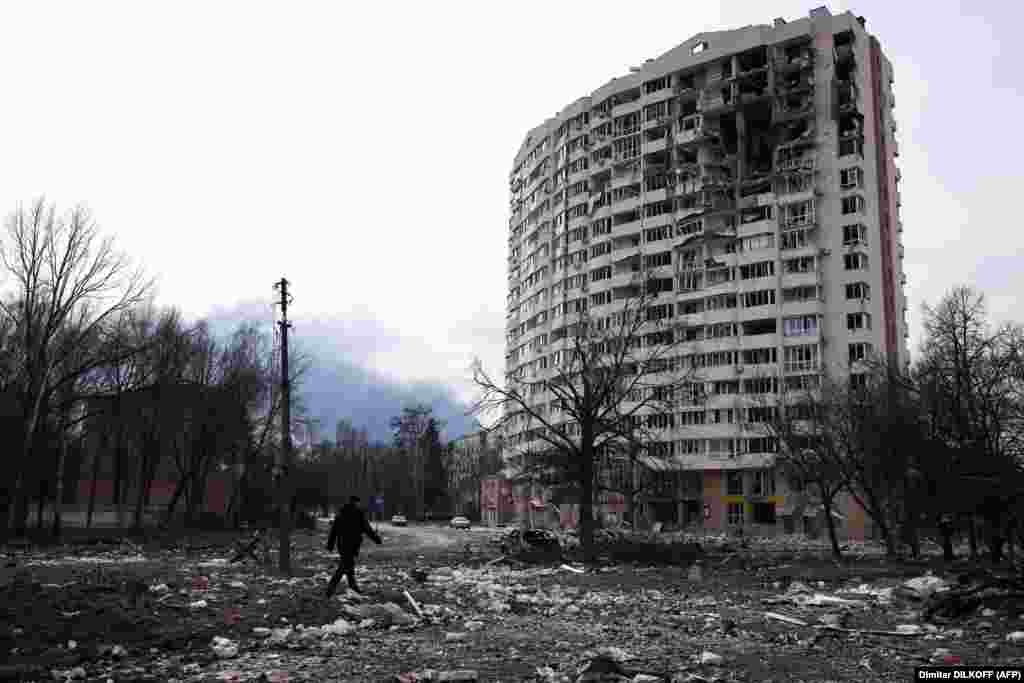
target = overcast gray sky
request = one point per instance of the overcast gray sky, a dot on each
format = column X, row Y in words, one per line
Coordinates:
column 363, row 149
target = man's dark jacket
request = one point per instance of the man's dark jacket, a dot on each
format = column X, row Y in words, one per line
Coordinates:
column 348, row 528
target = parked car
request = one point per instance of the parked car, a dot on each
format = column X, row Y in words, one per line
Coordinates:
column 399, row 520
column 459, row 522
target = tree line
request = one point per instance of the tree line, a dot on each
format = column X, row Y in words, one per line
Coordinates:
column 410, row 473
column 98, row 384
column 935, row 447
column 105, row 396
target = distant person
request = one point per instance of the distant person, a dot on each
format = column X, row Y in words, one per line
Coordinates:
column 347, row 533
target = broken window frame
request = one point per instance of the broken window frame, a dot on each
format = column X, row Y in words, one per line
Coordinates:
column 799, row 265
column 850, row 146
column 851, row 205
column 851, row 178
column 763, row 483
column 802, row 358
column 798, row 214
column 794, row 239
column 857, row 291
column 761, row 297
column 859, row 321
column 855, row 234
column 858, row 352
column 855, row 260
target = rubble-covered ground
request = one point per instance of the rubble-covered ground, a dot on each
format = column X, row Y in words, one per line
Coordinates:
column 771, row 612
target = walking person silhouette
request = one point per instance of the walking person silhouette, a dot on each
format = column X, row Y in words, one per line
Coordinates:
column 347, row 532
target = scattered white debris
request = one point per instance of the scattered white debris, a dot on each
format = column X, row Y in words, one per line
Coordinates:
column 775, row 616
column 224, row 647
column 340, row 627
column 926, row 585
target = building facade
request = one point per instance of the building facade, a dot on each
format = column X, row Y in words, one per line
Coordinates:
column 756, row 168
column 471, row 459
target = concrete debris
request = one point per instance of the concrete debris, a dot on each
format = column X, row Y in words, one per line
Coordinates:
column 710, row 659
column 412, row 601
column 340, row 627
column 616, row 654
column 224, row 647
column 455, row 676
column 925, row 586
column 785, row 619
column 548, row 675
column 833, row 619
column 813, row 600
column 882, row 595
column 387, row 614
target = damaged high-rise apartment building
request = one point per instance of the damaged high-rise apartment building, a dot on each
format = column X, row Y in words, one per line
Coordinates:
column 758, row 164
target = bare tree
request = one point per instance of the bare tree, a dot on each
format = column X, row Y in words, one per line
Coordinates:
column 609, row 375
column 879, row 423
column 68, row 281
column 970, row 380
column 811, row 447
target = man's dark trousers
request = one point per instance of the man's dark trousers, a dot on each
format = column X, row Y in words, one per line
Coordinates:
column 346, row 568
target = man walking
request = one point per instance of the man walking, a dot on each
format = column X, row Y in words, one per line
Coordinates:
column 347, row 532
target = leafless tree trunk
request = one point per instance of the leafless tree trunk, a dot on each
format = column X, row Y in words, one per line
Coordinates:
column 97, row 454
column 58, row 500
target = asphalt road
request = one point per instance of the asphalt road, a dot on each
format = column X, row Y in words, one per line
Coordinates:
column 422, row 540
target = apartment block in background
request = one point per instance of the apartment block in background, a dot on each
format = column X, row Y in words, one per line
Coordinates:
column 758, row 166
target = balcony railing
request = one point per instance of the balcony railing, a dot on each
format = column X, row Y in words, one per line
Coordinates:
column 801, row 365
column 797, row 220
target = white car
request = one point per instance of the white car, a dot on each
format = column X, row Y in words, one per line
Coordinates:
column 399, row 520
column 459, row 522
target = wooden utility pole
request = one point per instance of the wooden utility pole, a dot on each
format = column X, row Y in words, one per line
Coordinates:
column 284, row 454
